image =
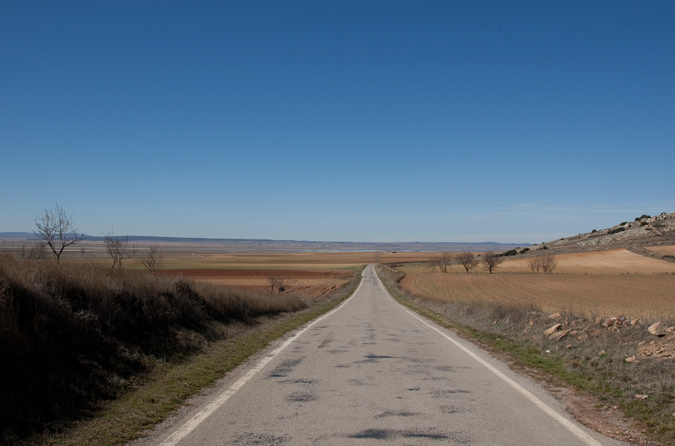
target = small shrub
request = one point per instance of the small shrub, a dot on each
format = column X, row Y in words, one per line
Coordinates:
column 616, row 230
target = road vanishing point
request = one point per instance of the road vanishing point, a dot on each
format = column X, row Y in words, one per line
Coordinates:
column 372, row 372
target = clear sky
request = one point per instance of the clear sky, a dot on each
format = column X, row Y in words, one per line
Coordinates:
column 509, row 121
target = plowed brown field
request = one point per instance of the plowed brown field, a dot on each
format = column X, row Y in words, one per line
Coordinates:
column 310, row 274
column 308, row 283
column 291, row 260
column 600, row 283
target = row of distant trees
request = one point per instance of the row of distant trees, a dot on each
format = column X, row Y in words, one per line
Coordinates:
column 55, row 228
column 490, row 260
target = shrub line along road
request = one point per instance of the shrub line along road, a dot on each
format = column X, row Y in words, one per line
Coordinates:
column 369, row 371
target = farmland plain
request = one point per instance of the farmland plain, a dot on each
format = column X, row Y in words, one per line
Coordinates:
column 310, row 274
column 605, row 283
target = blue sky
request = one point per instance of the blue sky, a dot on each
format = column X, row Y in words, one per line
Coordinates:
column 475, row 121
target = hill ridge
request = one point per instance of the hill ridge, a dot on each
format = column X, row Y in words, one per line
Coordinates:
column 634, row 236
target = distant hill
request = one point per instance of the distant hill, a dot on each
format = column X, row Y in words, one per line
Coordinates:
column 250, row 245
column 634, row 235
column 17, row 235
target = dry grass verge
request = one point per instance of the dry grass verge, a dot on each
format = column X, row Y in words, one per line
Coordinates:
column 616, row 360
column 170, row 384
column 75, row 337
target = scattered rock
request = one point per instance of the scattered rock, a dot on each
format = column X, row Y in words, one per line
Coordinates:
column 657, row 329
column 662, row 348
column 601, row 352
column 641, row 397
column 555, row 316
column 634, row 321
column 559, row 335
column 552, row 329
column 631, row 359
column 670, row 330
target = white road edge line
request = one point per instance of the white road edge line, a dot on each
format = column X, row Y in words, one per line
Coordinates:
column 583, row 436
column 203, row 414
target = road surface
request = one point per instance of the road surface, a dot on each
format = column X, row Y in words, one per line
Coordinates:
column 371, row 372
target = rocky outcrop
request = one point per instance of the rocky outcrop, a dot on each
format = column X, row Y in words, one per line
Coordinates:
column 644, row 231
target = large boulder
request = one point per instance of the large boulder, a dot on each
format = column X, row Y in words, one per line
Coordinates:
column 657, row 329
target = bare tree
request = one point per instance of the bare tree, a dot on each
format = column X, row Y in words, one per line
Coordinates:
column 491, row 259
column 152, row 260
column 443, row 261
column 535, row 264
column 545, row 263
column 548, row 263
column 118, row 248
column 56, row 228
column 278, row 284
column 468, row 260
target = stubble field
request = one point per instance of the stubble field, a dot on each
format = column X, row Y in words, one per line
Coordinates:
column 608, row 283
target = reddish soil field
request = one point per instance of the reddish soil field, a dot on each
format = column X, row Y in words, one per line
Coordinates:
column 311, row 284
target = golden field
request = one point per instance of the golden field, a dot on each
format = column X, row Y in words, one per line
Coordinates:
column 665, row 250
column 606, row 283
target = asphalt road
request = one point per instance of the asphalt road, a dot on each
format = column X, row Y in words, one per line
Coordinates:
column 371, row 372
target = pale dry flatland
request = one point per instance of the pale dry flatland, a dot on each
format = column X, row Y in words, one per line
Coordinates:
column 601, row 283
column 665, row 250
column 616, row 261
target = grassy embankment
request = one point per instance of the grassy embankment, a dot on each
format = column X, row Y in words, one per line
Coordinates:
column 591, row 356
column 96, row 356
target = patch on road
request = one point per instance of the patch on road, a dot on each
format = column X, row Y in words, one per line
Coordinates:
column 286, row 367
